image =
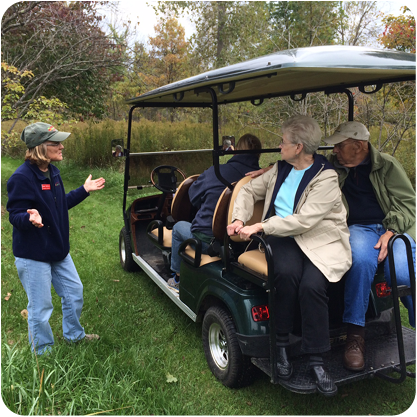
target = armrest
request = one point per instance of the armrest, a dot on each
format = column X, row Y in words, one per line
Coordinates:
column 197, row 258
column 156, row 224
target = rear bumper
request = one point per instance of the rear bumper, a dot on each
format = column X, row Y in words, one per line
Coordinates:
column 254, row 346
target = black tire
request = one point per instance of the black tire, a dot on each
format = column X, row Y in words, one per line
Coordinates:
column 221, row 347
column 125, row 252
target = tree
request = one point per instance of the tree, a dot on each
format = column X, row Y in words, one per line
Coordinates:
column 226, row 32
column 168, row 53
column 302, row 23
column 48, row 110
column 19, row 15
column 400, row 32
column 70, row 56
column 358, row 23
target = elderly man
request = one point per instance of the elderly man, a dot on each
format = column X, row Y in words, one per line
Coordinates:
column 381, row 203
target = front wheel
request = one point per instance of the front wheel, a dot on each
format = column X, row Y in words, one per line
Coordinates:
column 222, row 350
column 125, row 252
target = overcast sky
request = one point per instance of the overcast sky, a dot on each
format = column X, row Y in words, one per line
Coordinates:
column 140, row 11
column 134, row 11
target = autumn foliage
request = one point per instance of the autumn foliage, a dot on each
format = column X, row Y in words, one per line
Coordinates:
column 400, row 32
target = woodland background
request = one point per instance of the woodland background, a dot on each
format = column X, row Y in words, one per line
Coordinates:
column 69, row 64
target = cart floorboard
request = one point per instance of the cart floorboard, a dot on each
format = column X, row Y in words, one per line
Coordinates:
column 381, row 355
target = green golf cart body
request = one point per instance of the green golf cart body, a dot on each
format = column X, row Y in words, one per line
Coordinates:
column 233, row 303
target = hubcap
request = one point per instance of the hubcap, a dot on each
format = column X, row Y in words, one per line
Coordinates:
column 218, row 346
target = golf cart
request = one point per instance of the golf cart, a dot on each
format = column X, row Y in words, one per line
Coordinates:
column 234, row 300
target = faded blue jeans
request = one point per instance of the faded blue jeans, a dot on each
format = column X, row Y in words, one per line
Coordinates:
column 180, row 233
column 359, row 278
column 37, row 278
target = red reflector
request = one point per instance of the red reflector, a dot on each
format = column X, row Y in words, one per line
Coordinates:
column 260, row 313
column 382, row 290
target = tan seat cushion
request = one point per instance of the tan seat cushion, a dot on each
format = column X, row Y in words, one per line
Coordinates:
column 167, row 240
column 257, row 210
column 205, row 259
column 255, row 260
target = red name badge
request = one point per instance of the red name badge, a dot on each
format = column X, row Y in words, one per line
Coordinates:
column 46, row 186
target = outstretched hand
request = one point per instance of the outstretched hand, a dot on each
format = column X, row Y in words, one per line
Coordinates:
column 35, row 218
column 93, row 185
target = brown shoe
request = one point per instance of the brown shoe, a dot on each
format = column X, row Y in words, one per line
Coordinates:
column 353, row 359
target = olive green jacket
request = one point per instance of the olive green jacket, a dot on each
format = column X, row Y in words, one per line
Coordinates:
column 318, row 223
column 393, row 190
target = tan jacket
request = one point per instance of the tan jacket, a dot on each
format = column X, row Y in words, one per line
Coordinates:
column 318, row 224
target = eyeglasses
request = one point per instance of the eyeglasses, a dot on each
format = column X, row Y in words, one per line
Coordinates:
column 54, row 144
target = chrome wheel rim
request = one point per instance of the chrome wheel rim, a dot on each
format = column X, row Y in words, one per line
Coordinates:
column 122, row 250
column 218, row 346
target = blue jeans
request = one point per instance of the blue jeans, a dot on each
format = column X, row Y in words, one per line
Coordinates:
column 37, row 278
column 180, row 233
column 359, row 278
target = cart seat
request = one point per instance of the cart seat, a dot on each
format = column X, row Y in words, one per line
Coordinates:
column 257, row 212
column 181, row 209
column 219, row 224
column 253, row 260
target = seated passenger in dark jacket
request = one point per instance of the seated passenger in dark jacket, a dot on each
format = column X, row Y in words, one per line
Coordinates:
column 204, row 193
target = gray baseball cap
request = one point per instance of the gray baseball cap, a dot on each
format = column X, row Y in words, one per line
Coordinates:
column 38, row 133
column 348, row 130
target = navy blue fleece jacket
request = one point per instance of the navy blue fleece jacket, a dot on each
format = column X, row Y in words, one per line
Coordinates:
column 27, row 189
column 206, row 190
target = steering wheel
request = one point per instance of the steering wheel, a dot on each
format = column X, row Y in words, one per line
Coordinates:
column 167, row 181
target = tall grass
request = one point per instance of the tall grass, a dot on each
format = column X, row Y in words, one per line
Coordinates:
column 90, row 144
column 144, row 339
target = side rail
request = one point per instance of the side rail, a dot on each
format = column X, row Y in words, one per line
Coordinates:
column 396, row 293
column 269, row 286
column 266, row 282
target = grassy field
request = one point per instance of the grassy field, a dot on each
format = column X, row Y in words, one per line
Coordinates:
column 149, row 360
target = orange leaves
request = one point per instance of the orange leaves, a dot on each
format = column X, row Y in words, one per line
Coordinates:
column 168, row 54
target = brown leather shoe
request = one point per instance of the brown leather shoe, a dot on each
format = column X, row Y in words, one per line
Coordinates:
column 353, row 359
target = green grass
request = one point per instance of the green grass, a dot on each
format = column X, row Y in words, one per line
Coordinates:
column 144, row 338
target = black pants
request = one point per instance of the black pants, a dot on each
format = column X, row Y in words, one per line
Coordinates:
column 298, row 281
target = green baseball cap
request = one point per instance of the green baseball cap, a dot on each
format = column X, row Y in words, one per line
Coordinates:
column 38, row 133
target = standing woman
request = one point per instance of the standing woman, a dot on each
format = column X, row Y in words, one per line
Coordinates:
column 38, row 210
column 305, row 225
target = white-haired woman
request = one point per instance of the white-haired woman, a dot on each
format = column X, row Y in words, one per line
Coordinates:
column 304, row 222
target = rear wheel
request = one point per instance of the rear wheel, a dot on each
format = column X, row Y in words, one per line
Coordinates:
column 125, row 252
column 222, row 350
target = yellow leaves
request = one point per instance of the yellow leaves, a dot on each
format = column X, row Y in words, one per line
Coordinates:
column 7, row 298
column 24, row 313
column 12, row 89
column 11, row 69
